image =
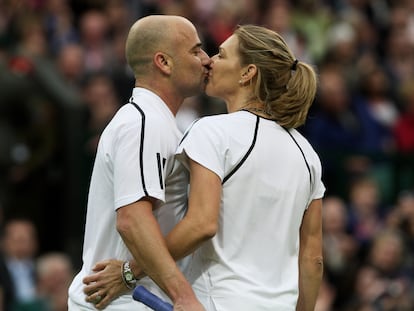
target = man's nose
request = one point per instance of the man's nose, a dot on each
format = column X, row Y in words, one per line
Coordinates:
column 206, row 60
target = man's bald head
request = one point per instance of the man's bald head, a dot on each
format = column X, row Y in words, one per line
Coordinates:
column 149, row 35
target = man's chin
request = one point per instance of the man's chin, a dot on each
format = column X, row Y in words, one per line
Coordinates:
column 204, row 85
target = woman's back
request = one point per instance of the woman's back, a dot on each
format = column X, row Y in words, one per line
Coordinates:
column 267, row 185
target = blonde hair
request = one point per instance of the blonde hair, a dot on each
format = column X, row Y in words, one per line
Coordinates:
column 286, row 87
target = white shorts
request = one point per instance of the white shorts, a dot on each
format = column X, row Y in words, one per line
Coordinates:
column 206, row 301
column 73, row 306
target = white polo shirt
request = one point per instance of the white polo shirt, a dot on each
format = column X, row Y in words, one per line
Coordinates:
column 270, row 175
column 134, row 156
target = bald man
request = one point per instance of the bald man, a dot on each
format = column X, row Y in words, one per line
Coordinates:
column 133, row 160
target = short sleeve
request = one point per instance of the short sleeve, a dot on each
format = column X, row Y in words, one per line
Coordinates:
column 135, row 169
column 203, row 144
column 318, row 188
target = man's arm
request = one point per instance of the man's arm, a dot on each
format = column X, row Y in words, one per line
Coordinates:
column 310, row 257
column 142, row 235
column 199, row 224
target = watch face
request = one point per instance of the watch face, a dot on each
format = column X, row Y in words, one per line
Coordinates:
column 129, row 276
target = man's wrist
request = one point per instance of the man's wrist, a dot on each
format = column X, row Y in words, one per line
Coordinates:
column 128, row 276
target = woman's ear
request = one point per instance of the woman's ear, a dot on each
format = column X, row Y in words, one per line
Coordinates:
column 248, row 72
column 163, row 62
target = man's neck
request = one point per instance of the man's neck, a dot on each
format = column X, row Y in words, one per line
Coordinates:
column 170, row 98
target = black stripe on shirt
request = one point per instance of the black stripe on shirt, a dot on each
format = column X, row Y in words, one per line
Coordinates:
column 303, row 155
column 160, row 167
column 247, row 153
column 141, row 147
column 187, row 131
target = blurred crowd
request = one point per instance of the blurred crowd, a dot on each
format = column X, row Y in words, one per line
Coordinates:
column 63, row 76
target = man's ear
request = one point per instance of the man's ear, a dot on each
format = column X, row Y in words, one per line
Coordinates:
column 163, row 62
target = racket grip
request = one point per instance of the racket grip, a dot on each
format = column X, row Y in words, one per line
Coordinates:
column 143, row 295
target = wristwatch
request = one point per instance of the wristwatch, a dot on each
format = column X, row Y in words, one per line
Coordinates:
column 127, row 275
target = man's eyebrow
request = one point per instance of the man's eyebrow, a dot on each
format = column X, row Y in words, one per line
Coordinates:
column 198, row 45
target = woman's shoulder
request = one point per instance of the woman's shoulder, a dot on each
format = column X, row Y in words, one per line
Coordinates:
column 223, row 120
column 216, row 127
column 304, row 142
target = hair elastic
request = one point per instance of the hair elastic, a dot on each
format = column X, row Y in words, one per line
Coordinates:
column 295, row 63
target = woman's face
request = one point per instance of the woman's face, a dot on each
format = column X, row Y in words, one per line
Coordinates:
column 225, row 70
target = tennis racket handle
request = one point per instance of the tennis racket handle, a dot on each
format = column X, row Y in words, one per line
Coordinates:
column 143, row 295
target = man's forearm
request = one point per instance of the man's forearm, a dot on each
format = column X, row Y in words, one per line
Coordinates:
column 142, row 235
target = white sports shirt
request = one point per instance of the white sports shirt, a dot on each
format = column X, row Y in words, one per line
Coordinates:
column 269, row 175
column 135, row 154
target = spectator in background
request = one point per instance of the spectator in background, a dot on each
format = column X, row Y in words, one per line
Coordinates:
column 342, row 50
column 32, row 41
column 366, row 211
column 368, row 287
column 333, row 124
column 278, row 17
column 58, row 22
column 101, row 102
column 118, row 17
column 93, row 33
column 314, row 20
column 375, row 91
column 119, row 72
column 385, row 279
column 340, row 250
column 367, row 35
column 399, row 47
column 69, row 63
column 401, row 218
column 223, row 19
column 54, row 273
column 20, row 247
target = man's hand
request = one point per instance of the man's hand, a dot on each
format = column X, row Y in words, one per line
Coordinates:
column 105, row 284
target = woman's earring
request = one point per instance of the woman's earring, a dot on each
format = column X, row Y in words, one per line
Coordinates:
column 240, row 82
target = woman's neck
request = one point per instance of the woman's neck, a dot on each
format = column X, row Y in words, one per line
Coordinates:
column 256, row 108
column 239, row 100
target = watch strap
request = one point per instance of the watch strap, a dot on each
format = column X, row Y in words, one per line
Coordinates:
column 128, row 276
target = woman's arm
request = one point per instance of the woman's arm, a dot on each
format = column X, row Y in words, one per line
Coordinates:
column 201, row 220
column 310, row 257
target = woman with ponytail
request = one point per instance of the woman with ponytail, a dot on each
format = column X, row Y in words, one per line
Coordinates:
column 255, row 196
